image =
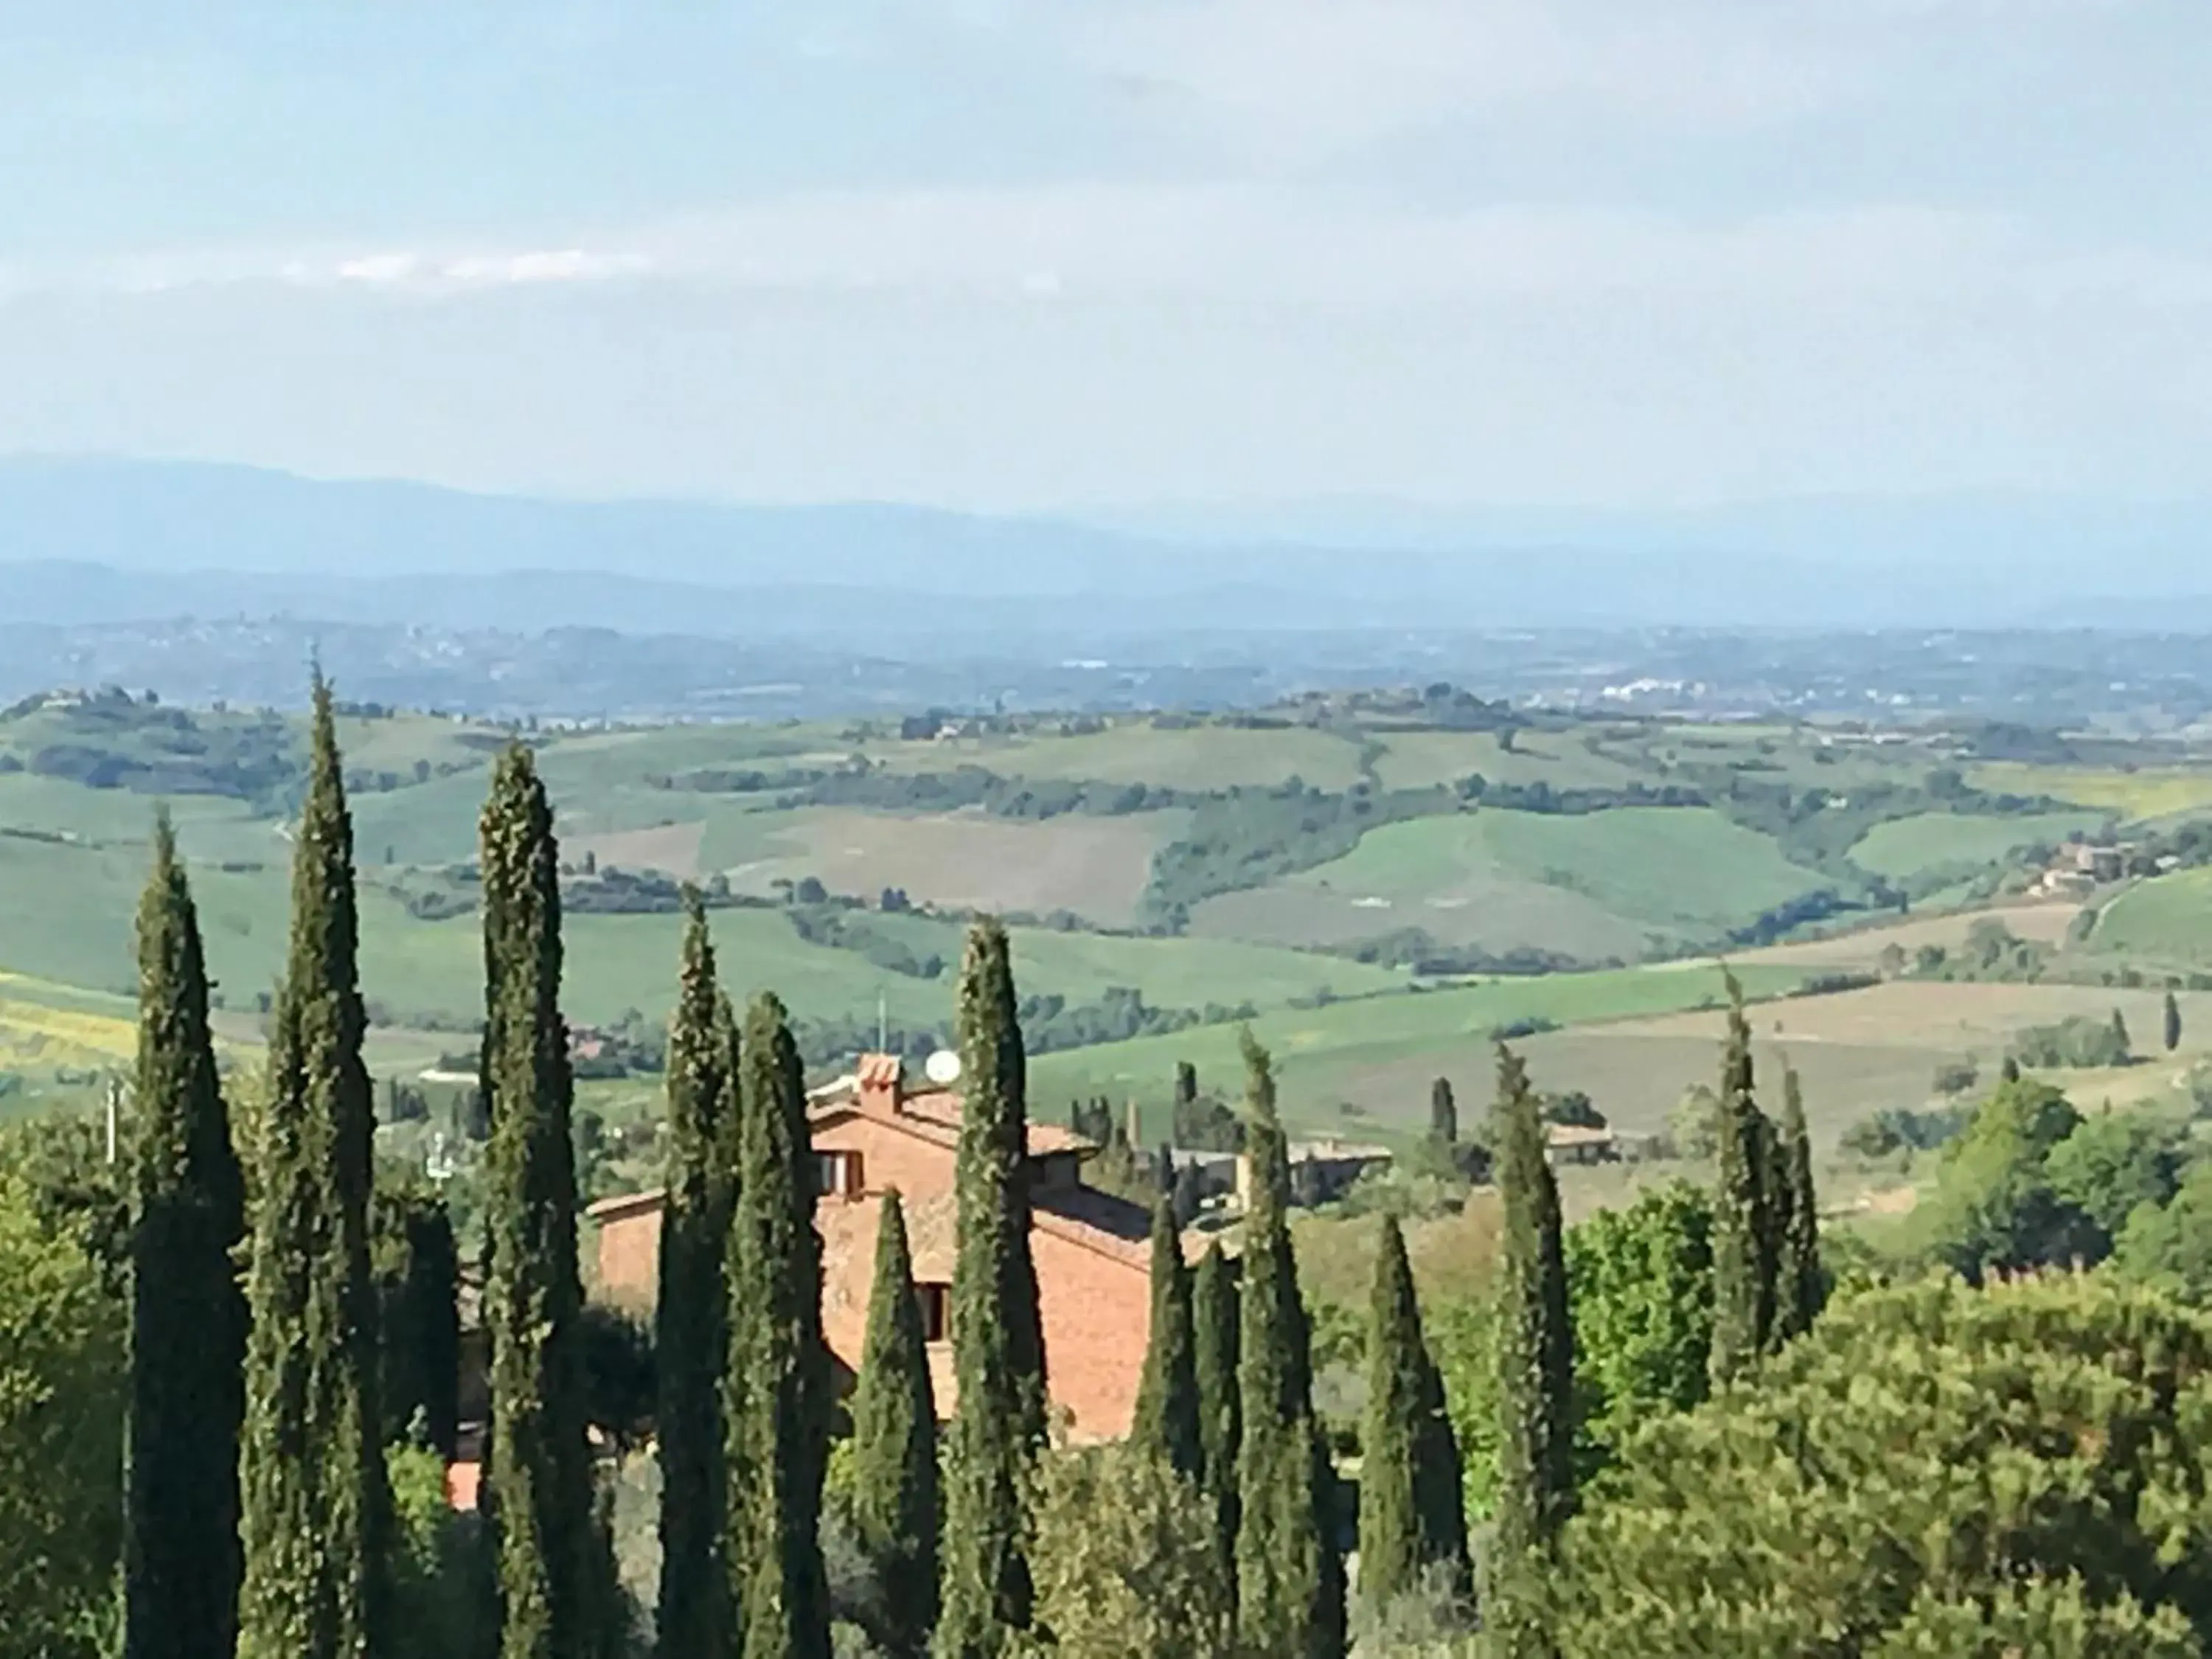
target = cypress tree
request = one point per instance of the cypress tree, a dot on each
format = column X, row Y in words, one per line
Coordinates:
column 181, row 1555
column 1744, row 1212
column 538, row 1470
column 418, row 1271
column 1801, row 1284
column 1185, row 1112
column 999, row 1426
column 2121, row 1040
column 895, row 1493
column 315, row 1506
column 1536, row 1367
column 1217, row 1296
column 1444, row 1115
column 777, row 1396
column 1167, row 1418
column 1411, row 1517
column 1290, row 1579
column 692, row 1310
column 2009, row 1072
column 2172, row 1023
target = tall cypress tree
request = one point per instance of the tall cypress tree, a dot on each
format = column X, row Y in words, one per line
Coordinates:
column 692, row 1312
column 1167, row 1418
column 1744, row 1212
column 418, row 1269
column 1290, row 1579
column 1801, row 1283
column 2172, row 1032
column 1412, row 1518
column 538, row 1474
column 181, row 1560
column 777, row 1396
column 315, row 1506
column 1217, row 1305
column 1535, row 1368
column 999, row 1426
column 895, row 1493
column 1444, row 1115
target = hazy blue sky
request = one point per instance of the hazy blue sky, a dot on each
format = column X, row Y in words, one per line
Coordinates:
column 1017, row 253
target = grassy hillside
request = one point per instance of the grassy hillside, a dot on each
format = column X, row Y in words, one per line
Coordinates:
column 1306, row 867
column 2168, row 919
column 1329, row 1057
column 1592, row 886
column 1933, row 841
column 2137, row 794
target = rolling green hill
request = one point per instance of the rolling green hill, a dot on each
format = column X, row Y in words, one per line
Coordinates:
column 2168, row 919
column 1934, row 841
column 1322, row 1054
column 1592, row 886
column 1314, row 868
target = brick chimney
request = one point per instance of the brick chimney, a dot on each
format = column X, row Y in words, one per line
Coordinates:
column 881, row 1080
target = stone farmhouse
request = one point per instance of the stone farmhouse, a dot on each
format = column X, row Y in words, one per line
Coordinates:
column 872, row 1133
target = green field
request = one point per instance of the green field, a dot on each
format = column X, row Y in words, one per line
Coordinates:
column 1421, row 760
column 1328, row 1057
column 1591, row 886
column 2137, row 795
column 2168, row 919
column 1931, row 840
column 1445, row 876
column 1279, row 889
column 70, row 911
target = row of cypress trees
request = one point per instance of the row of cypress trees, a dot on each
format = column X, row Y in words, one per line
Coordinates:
column 257, row 1513
column 257, row 1516
column 1769, row 1287
column 743, row 1409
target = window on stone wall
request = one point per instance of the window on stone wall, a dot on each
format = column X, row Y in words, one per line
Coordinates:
column 838, row 1174
column 936, row 1312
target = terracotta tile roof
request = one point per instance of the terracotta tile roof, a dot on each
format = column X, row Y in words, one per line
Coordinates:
column 936, row 1114
column 622, row 1204
column 1114, row 1227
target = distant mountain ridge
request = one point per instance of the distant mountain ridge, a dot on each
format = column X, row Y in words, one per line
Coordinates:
column 97, row 541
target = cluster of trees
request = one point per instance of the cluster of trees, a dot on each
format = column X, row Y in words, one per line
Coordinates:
column 2077, row 1041
column 1541, row 796
column 1033, row 799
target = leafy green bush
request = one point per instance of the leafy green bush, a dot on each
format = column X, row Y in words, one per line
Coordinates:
column 1934, row 1470
column 1125, row 1560
column 61, row 1448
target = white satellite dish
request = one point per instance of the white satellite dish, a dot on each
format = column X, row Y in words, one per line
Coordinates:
column 942, row 1068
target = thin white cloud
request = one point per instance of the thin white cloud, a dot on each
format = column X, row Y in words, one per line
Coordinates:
column 1243, row 243
column 398, row 272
